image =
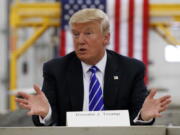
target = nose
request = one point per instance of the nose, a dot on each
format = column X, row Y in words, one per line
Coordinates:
column 81, row 39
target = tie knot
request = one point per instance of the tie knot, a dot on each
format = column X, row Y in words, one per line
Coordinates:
column 93, row 69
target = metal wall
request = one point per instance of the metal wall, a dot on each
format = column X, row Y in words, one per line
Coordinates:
column 164, row 75
column 29, row 69
column 3, row 54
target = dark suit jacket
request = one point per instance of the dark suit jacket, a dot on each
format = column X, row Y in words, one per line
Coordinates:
column 63, row 86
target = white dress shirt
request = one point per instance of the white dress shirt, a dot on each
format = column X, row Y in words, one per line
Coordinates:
column 86, row 80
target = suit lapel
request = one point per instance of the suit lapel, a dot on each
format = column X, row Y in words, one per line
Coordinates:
column 75, row 84
column 111, row 80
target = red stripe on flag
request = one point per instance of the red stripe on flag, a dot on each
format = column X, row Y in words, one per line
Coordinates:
column 62, row 47
column 117, row 26
column 131, row 28
column 145, row 35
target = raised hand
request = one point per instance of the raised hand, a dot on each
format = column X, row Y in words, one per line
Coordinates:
column 153, row 107
column 36, row 104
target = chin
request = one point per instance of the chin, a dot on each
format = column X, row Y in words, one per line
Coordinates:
column 84, row 59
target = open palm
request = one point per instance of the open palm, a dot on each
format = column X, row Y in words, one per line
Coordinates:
column 153, row 107
column 36, row 104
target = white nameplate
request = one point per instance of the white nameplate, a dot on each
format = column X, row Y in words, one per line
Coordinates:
column 98, row 118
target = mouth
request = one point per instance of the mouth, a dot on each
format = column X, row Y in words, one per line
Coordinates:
column 82, row 51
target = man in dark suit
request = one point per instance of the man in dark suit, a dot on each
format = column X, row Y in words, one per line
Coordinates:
column 67, row 79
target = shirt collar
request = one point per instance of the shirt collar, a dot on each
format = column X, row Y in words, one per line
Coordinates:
column 100, row 65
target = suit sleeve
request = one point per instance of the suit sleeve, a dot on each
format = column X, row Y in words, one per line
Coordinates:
column 49, row 88
column 139, row 93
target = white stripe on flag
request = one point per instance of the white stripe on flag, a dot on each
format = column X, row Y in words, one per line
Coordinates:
column 124, row 27
column 138, row 29
column 110, row 12
column 69, row 42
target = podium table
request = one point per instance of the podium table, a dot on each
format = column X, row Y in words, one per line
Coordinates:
column 133, row 130
column 173, row 131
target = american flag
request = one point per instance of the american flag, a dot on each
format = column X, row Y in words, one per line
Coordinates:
column 128, row 25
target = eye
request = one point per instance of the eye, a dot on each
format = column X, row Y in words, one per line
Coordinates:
column 75, row 34
column 88, row 33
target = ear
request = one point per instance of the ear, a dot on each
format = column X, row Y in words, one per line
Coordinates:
column 106, row 39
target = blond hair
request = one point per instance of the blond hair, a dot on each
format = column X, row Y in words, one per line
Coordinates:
column 91, row 14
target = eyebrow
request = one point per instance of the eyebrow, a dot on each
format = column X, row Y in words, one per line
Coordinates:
column 87, row 29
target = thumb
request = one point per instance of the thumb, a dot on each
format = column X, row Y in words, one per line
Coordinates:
column 152, row 93
column 37, row 89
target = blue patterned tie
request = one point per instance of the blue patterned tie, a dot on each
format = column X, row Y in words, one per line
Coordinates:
column 95, row 92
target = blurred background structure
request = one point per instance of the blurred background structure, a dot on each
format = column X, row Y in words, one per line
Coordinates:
column 34, row 31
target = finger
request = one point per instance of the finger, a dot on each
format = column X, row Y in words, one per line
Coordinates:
column 23, row 94
column 163, row 98
column 25, row 106
column 19, row 100
column 152, row 93
column 37, row 89
column 166, row 102
column 162, row 109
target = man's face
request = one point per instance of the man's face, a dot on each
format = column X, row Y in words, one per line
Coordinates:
column 89, row 42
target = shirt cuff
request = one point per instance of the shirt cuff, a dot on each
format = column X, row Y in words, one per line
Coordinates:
column 48, row 119
column 138, row 120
